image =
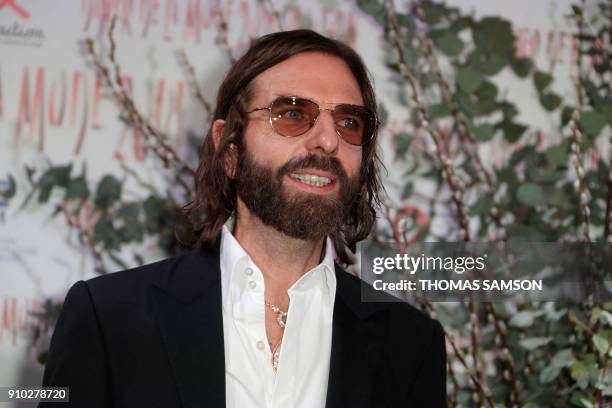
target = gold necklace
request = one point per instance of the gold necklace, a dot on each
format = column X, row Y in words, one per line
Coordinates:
column 276, row 355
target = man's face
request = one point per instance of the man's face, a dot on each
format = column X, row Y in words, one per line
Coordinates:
column 284, row 180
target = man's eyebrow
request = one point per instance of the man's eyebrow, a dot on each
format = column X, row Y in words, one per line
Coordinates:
column 289, row 95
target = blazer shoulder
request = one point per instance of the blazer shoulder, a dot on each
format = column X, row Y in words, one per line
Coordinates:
column 128, row 284
column 401, row 313
column 184, row 275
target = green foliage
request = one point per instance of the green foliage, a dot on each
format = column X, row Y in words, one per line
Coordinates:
column 118, row 222
column 448, row 42
column 108, row 192
column 468, row 79
column 593, row 122
column 530, row 194
column 560, row 357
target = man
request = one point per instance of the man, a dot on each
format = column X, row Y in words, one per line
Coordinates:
column 261, row 315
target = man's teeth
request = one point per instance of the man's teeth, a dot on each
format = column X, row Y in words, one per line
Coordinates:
column 311, row 179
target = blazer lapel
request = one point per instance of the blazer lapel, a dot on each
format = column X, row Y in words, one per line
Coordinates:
column 357, row 365
column 188, row 308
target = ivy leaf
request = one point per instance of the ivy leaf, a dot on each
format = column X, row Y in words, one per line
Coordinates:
column 167, row 240
column 592, row 122
column 508, row 110
column 132, row 231
column 403, row 141
column 438, row 110
column 521, row 66
column 550, row 101
column 55, row 176
column 563, row 358
column 593, row 94
column 541, row 80
column 42, row 357
column 448, row 42
column 579, row 370
column 373, row 8
column 521, row 233
column 461, row 23
column 155, row 213
column 530, row 194
column 407, row 190
column 533, row 343
column 382, row 114
column 492, row 64
column 494, row 35
column 482, row 206
column 557, row 155
column 62, row 175
column 601, row 344
column 484, row 132
column 582, row 401
column 433, row 12
column 108, row 192
column 465, row 104
column 608, row 285
column 549, row 374
column 512, row 131
column 77, row 188
column 607, row 111
column 487, row 90
column 129, row 212
column 566, row 114
column 524, row 318
column 404, row 20
column 521, row 154
column 468, row 79
column 104, row 233
column 606, row 317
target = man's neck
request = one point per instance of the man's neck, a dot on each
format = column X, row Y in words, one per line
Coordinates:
column 282, row 259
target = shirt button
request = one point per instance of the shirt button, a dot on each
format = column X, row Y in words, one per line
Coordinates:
column 260, row 345
column 252, row 284
column 249, row 271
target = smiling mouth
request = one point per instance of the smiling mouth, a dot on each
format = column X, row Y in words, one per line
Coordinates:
column 311, row 179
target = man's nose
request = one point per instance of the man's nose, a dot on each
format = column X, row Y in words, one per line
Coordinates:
column 324, row 135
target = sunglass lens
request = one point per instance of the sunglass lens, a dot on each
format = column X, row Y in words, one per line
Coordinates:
column 355, row 123
column 293, row 116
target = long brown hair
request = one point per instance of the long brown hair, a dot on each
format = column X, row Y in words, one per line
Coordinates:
column 215, row 195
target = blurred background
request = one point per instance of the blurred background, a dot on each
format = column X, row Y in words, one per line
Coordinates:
column 496, row 125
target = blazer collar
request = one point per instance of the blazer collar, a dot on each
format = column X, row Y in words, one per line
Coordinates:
column 187, row 298
column 358, row 361
column 350, row 291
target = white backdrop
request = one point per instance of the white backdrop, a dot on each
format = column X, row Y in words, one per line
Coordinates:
column 45, row 77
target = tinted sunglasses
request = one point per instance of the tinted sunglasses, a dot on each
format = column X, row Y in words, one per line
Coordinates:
column 291, row 116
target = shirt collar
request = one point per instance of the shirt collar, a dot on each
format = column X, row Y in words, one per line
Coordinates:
column 235, row 260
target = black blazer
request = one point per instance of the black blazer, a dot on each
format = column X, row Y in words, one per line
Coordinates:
column 153, row 337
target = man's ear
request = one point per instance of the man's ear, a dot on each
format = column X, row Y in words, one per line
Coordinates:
column 217, row 130
column 230, row 157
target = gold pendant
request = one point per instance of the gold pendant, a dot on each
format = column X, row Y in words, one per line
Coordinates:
column 281, row 319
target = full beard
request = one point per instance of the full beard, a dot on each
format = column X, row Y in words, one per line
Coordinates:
column 299, row 215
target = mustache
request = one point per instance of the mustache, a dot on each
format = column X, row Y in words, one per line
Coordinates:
column 313, row 161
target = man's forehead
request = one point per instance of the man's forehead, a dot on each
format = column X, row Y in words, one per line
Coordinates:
column 320, row 77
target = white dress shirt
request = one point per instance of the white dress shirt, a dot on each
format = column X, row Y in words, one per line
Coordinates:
column 303, row 368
